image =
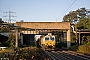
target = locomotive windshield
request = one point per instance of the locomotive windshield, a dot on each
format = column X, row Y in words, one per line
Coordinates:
column 46, row 38
column 52, row 38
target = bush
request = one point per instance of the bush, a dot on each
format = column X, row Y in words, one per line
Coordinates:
column 88, row 44
column 84, row 49
column 61, row 44
column 73, row 39
column 74, row 47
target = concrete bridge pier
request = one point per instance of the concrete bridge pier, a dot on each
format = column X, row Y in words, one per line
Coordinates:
column 16, row 38
column 21, row 37
column 68, row 39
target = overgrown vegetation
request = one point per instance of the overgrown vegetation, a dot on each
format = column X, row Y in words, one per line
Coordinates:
column 74, row 47
column 5, row 29
column 84, row 48
column 81, row 20
column 61, row 45
column 28, row 53
column 1, row 21
column 9, row 42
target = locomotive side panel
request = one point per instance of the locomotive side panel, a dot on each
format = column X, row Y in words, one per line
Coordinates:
column 42, row 41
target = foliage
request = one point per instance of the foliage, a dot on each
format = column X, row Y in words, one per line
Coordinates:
column 5, row 29
column 84, row 40
column 11, row 41
column 84, row 49
column 57, row 37
column 81, row 19
column 71, row 17
column 7, row 50
column 73, row 39
column 88, row 38
column 61, row 44
column 88, row 24
column 21, row 20
column 1, row 21
column 76, row 16
column 74, row 47
column 27, row 53
column 88, row 44
column 84, row 23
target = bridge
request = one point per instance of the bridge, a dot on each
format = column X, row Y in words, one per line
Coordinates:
column 42, row 27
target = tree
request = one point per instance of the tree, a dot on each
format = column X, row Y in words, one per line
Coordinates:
column 21, row 20
column 1, row 21
column 81, row 20
column 88, row 24
column 84, row 40
column 5, row 29
column 75, row 16
column 71, row 17
column 84, row 23
column 11, row 41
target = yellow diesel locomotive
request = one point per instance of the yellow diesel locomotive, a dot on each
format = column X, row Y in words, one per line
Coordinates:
column 47, row 42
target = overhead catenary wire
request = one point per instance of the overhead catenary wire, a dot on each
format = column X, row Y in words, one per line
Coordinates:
column 66, row 9
column 8, row 14
column 3, row 8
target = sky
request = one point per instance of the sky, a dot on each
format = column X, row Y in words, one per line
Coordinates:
column 40, row 10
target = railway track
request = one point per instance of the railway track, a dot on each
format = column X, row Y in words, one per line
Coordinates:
column 78, row 55
column 66, row 55
column 53, row 56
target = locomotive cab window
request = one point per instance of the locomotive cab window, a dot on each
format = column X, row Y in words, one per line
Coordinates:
column 46, row 38
column 52, row 38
